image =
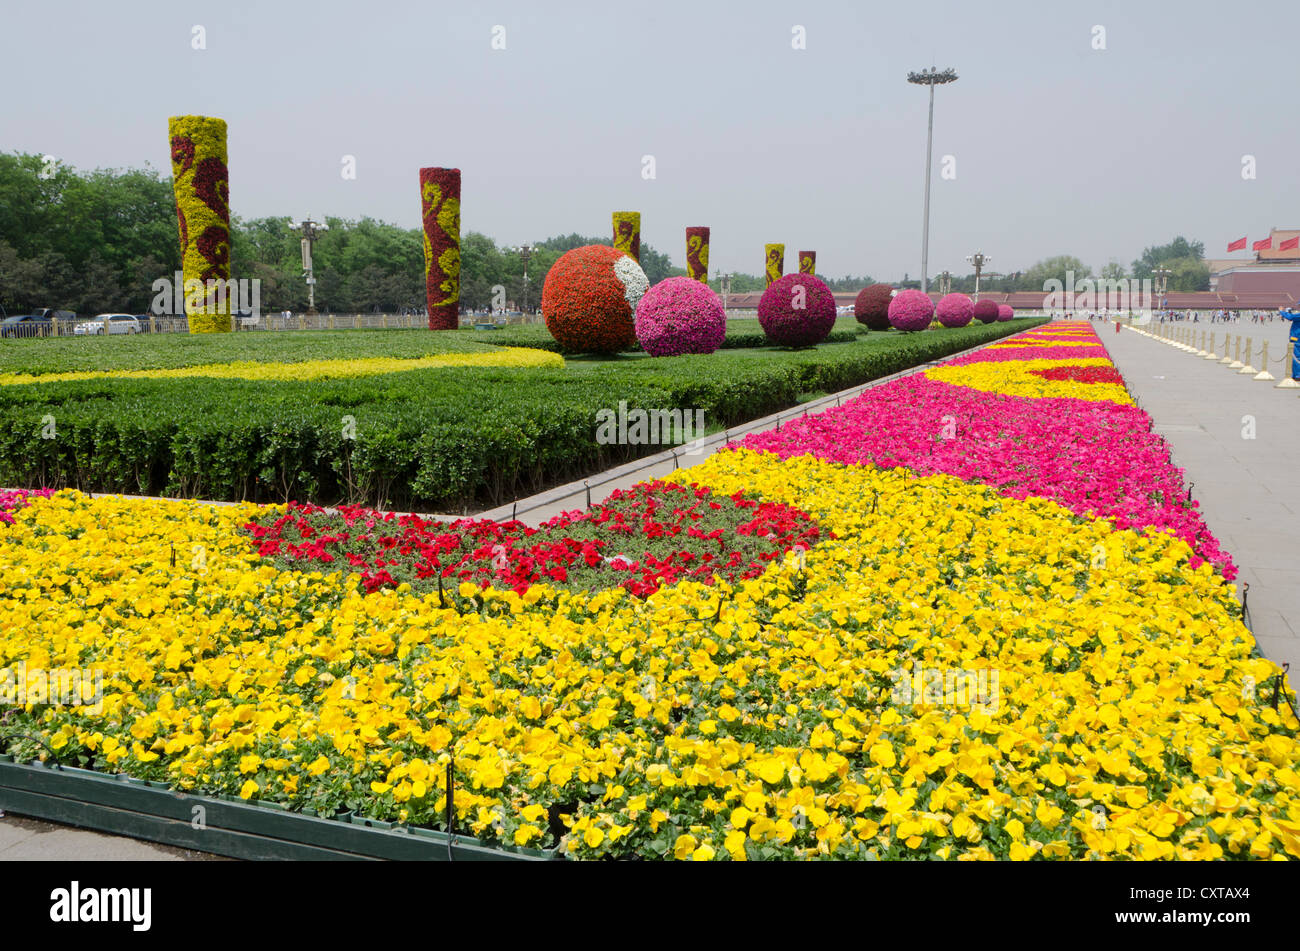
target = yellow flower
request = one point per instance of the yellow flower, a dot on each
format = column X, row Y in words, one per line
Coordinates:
column 684, row 847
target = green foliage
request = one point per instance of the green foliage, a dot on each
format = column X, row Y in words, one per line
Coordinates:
column 1185, row 259
column 741, row 333
column 444, row 439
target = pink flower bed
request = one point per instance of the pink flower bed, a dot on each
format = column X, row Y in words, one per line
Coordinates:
column 1094, row 457
column 11, row 500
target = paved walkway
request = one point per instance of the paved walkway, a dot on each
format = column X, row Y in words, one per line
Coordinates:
column 24, row 839
column 1248, row 488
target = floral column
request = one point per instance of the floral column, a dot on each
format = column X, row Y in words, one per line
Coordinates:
column 807, row 262
column 775, row 266
column 440, row 212
column 201, row 185
column 697, row 254
column 627, row 233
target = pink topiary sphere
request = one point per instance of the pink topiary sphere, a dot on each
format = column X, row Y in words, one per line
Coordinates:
column 955, row 310
column 986, row 311
column 911, row 310
column 797, row 310
column 680, row 315
column 1005, row 312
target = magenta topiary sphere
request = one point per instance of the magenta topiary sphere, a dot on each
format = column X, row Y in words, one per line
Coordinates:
column 871, row 308
column 680, row 315
column 1005, row 312
column 797, row 310
column 986, row 311
column 911, row 310
column 955, row 310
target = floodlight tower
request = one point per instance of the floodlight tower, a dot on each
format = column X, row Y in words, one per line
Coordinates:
column 979, row 260
column 309, row 230
column 929, row 77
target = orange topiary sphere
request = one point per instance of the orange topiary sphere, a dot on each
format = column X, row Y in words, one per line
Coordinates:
column 589, row 299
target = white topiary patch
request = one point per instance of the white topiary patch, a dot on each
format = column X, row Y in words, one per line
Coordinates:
column 634, row 281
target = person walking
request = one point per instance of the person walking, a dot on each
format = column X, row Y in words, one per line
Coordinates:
column 1294, row 317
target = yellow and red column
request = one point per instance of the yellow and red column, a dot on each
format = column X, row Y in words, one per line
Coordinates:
column 201, row 185
column 440, row 213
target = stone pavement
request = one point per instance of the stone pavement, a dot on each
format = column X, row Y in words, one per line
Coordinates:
column 1248, row 488
column 23, row 839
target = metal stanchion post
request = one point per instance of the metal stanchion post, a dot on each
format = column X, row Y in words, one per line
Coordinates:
column 1263, row 374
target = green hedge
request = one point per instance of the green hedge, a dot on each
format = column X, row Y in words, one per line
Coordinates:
column 455, row 439
column 742, row 333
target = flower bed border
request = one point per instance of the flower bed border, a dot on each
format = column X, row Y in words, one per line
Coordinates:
column 144, row 810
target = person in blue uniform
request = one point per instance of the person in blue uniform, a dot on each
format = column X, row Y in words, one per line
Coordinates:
column 1294, row 317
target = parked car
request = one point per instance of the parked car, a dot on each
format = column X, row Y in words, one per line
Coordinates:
column 37, row 323
column 109, row 324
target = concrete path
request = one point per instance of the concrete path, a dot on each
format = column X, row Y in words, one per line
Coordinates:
column 1238, row 439
column 23, row 839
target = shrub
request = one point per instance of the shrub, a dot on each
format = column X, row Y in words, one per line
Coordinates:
column 1005, row 312
column 911, row 310
column 955, row 310
column 986, row 311
column 872, row 306
column 590, row 297
column 797, row 310
column 680, row 315
column 436, row 440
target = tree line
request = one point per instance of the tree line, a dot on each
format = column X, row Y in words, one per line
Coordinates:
column 96, row 241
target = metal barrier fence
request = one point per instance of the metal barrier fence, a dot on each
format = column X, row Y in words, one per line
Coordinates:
column 1227, row 349
column 149, row 324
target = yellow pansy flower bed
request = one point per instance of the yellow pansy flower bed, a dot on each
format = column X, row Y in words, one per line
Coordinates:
column 1018, row 378
column 310, row 369
column 1116, row 708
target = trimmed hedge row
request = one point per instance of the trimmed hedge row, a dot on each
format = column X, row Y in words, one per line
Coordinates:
column 456, row 439
column 741, row 335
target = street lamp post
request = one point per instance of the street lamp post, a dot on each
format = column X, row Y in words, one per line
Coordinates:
column 724, row 284
column 1161, row 275
column 945, row 282
column 524, row 251
column 979, row 260
column 929, row 77
column 309, row 230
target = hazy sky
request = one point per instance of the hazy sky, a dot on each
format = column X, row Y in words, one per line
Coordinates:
column 1059, row 147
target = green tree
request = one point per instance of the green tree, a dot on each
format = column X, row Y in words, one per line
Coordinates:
column 1057, row 268
column 1179, row 249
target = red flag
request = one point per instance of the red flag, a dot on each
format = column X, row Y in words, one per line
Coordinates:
column 1265, row 245
column 1290, row 244
column 1238, row 245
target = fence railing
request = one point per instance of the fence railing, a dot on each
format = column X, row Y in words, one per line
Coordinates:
column 158, row 325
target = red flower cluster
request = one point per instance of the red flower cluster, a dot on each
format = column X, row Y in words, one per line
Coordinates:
column 653, row 534
column 585, row 304
column 1106, row 374
column 871, row 307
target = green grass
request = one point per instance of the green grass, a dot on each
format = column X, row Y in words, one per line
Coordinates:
column 452, row 439
column 39, row 356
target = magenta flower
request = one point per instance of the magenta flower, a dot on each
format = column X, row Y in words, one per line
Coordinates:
column 680, row 315
column 797, row 310
column 911, row 310
column 955, row 310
